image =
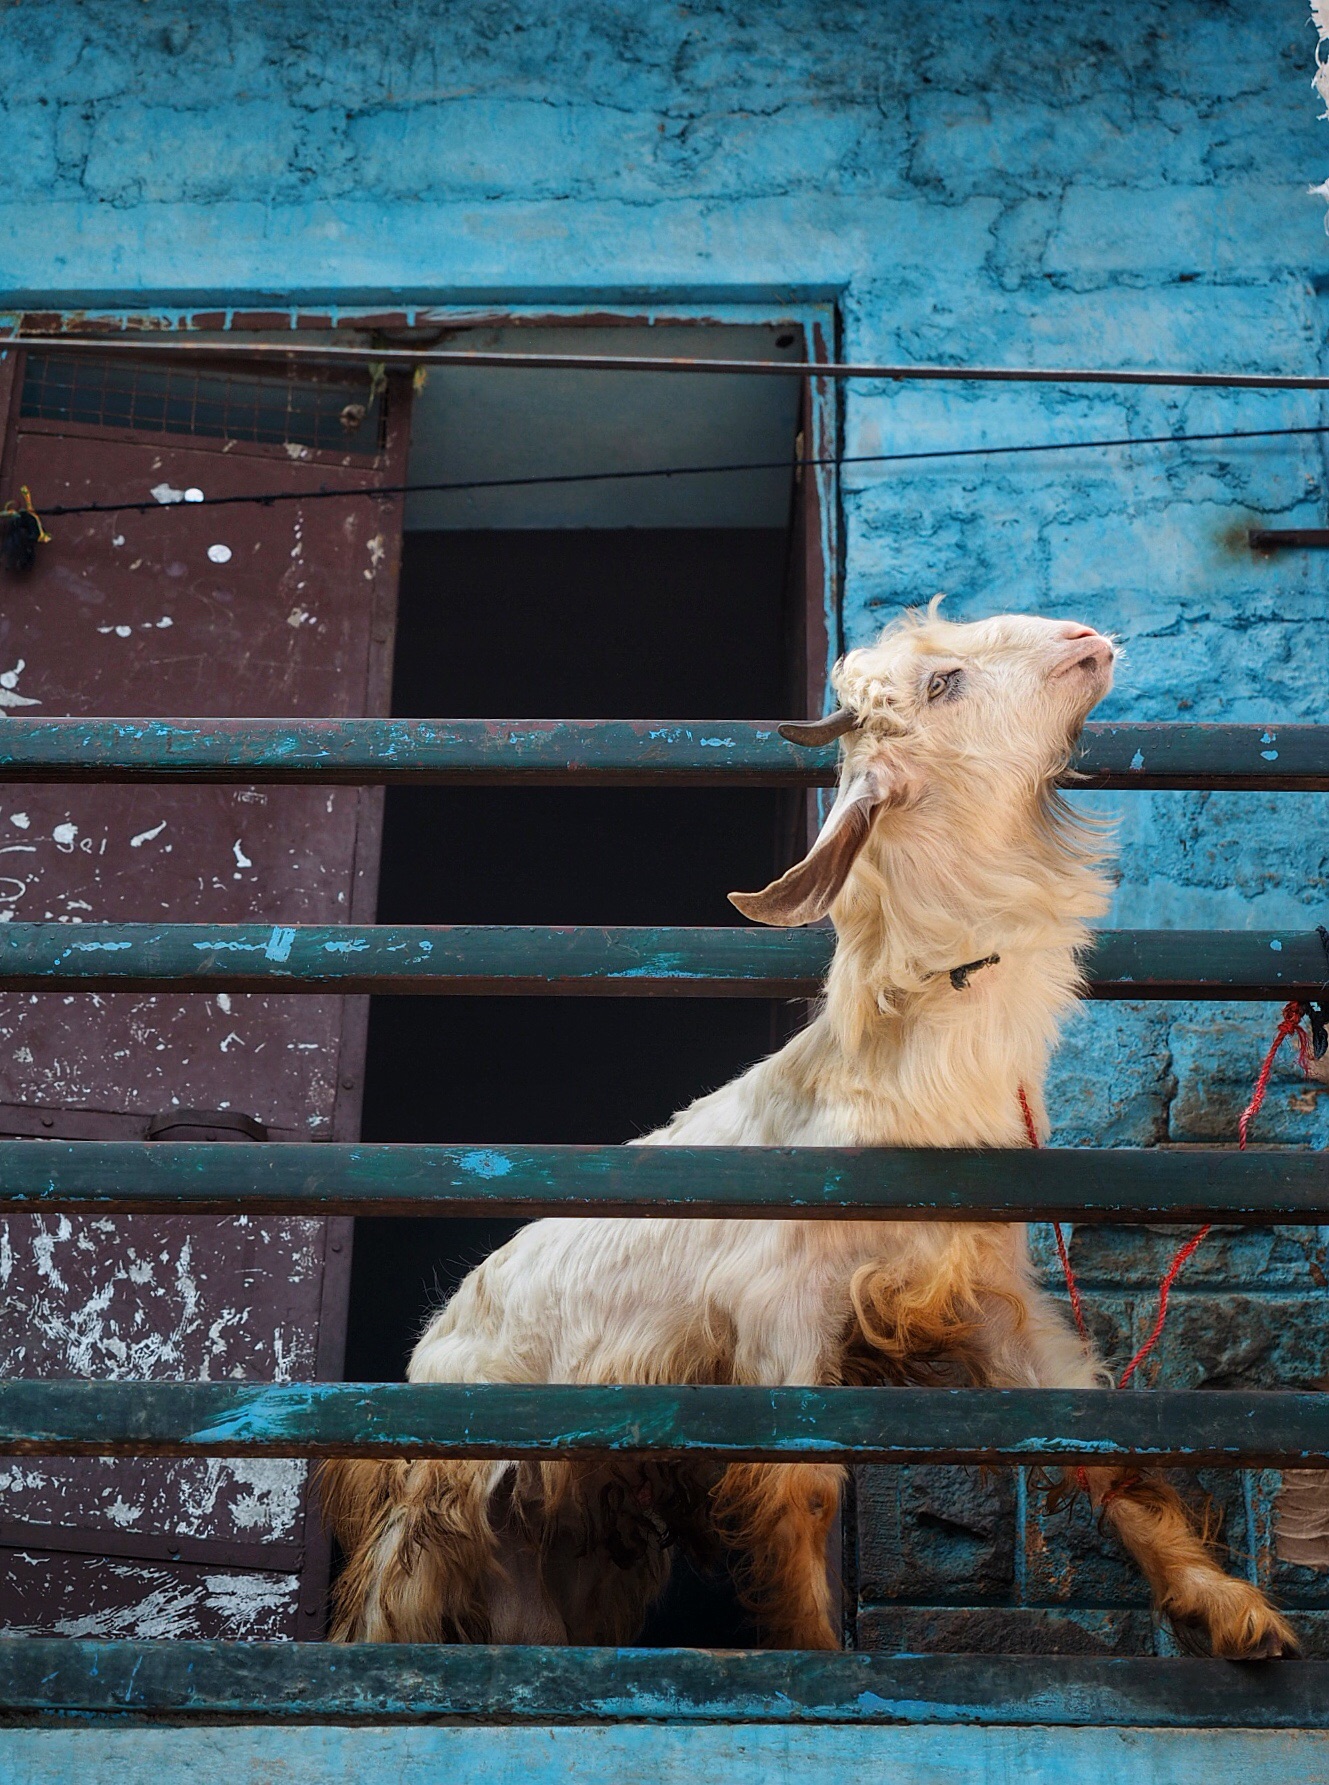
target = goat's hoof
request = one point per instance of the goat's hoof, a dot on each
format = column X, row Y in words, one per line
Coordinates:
column 1265, row 1637
column 1272, row 1648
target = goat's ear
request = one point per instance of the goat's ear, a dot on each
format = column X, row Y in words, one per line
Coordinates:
column 810, row 888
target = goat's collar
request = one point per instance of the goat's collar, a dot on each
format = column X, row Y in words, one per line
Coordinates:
column 959, row 976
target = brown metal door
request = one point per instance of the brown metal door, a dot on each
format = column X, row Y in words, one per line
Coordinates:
column 279, row 610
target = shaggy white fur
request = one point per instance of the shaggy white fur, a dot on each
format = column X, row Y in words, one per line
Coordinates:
column 947, row 844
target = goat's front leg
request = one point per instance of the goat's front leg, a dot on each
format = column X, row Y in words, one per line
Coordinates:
column 776, row 1518
column 1208, row 1608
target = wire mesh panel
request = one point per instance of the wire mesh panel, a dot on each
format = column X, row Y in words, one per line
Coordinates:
column 342, row 417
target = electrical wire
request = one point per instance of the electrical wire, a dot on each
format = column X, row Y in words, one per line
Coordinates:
column 410, row 357
column 58, row 511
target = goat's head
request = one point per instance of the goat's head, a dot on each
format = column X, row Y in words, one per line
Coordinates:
column 970, row 724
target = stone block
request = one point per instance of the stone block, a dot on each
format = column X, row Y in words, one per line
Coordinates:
column 1004, row 1630
column 931, row 1534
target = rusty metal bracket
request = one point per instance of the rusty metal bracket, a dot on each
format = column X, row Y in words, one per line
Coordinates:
column 205, row 1124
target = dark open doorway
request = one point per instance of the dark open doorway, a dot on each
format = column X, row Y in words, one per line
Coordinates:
column 591, row 620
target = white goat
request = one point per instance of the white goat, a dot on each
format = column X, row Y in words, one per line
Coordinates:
column 947, row 848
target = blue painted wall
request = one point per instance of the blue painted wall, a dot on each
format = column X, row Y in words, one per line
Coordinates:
column 655, row 1754
column 991, row 182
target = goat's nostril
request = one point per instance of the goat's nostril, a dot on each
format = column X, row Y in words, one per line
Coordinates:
column 1071, row 630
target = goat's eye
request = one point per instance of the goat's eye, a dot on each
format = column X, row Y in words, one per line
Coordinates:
column 945, row 681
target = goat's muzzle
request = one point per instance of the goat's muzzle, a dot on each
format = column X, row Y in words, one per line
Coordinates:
column 1086, row 652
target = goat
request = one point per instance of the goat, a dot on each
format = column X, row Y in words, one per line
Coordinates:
column 960, row 885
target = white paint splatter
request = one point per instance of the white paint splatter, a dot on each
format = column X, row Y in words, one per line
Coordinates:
column 44, row 1243
column 63, row 837
column 219, row 554
column 241, row 859
column 16, row 1479
column 273, row 1500
column 147, row 836
column 243, row 1598
column 19, row 820
column 165, row 620
column 224, row 1003
column 9, row 682
column 168, row 1610
column 119, row 539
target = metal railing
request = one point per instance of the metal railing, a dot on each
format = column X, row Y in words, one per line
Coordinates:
column 219, row 1681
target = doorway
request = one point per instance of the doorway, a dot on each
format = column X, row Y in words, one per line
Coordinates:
column 652, row 598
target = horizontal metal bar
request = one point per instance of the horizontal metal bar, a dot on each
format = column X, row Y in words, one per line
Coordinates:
column 179, row 345
column 272, row 1556
column 1177, row 1427
column 48, row 1679
column 1280, row 1186
column 598, row 753
column 518, row 960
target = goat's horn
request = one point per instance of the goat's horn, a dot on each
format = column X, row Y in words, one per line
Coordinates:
column 820, row 731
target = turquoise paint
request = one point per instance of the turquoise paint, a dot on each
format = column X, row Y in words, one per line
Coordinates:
column 654, row 1754
column 503, row 1420
column 675, row 962
column 1006, row 182
column 598, row 752
column 56, row 1681
column 484, row 1162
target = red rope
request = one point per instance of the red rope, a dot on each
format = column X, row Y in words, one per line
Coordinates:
column 1072, row 1287
column 1028, row 1115
column 1290, row 1025
column 1179, row 1258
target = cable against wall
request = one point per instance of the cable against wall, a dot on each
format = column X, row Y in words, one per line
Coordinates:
column 579, row 477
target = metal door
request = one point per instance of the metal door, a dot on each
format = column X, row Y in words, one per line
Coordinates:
column 283, row 609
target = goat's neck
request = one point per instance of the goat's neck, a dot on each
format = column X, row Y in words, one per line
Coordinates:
column 913, row 1059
